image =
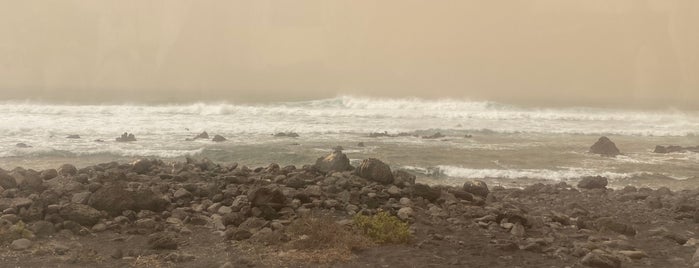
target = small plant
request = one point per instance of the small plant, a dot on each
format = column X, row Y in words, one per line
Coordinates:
column 383, row 228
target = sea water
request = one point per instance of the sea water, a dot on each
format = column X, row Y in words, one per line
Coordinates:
column 502, row 144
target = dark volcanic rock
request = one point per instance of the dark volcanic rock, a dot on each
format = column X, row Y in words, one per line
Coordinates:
column 593, row 182
column 73, row 136
column 67, row 170
column 142, row 166
column 402, row 178
column 604, row 146
column 115, row 199
column 126, row 137
column 82, row 214
column 22, row 145
column 267, row 196
column 426, row 192
column 218, row 138
column 375, row 170
column 7, row 181
column 287, row 134
column 434, row 136
column 49, row 174
column 476, row 187
column 336, row 161
column 613, row 225
column 202, row 135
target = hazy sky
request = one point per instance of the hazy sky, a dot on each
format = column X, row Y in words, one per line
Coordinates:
column 583, row 52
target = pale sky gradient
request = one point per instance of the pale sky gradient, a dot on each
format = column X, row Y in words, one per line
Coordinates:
column 541, row 52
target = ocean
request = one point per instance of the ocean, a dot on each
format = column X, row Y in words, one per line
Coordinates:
column 502, row 144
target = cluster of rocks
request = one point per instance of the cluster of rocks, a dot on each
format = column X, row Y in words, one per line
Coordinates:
column 205, row 136
column 165, row 201
column 126, row 137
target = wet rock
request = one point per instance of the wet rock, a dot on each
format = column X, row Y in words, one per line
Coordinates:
column 67, row 170
column 434, row 136
column 287, row 134
column 21, row 244
column 360, row 144
column 426, row 192
column 22, row 145
column 402, row 178
column 674, row 149
column 82, row 214
column 126, row 137
column 336, row 161
column 476, row 187
column 218, row 138
column 202, row 135
column 7, row 181
column 142, row 166
column 593, row 182
column 375, row 170
column 73, row 136
column 601, row 259
column 163, row 240
column 605, row 147
column 49, row 174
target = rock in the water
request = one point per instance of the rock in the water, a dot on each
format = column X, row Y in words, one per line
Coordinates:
column 21, row 244
column 202, row 135
column 82, row 214
column 22, row 145
column 674, row 149
column 162, row 240
column 434, row 136
column 360, row 144
column 426, row 192
column 336, row 161
column 67, row 170
column 593, row 182
column 287, row 134
column 126, row 137
column 477, row 188
column 604, row 146
column 73, row 136
column 601, row 259
column 7, row 181
column 375, row 170
column 218, row 138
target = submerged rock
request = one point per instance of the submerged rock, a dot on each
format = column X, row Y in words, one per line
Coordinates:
column 22, row 145
column 287, row 134
column 605, row 147
column 674, row 149
column 73, row 136
column 434, row 136
column 218, row 138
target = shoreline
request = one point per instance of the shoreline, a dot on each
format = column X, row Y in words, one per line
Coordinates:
column 200, row 214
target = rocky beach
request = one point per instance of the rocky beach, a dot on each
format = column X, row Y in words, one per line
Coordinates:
column 197, row 213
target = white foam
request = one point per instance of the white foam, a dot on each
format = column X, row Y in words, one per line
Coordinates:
column 565, row 174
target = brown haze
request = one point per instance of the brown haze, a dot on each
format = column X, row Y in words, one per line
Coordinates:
column 547, row 52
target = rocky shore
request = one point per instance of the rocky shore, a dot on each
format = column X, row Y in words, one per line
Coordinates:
column 201, row 214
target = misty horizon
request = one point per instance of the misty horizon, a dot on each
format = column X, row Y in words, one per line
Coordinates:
column 544, row 53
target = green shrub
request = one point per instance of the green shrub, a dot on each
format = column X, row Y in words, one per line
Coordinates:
column 383, row 228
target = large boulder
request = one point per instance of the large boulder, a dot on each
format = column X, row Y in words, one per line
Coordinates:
column 82, row 214
column 476, row 187
column 267, row 196
column 218, row 138
column 202, row 135
column 67, row 170
column 49, row 174
column 142, row 166
column 426, row 192
column 375, row 170
column 7, row 181
column 115, row 199
column 336, row 161
column 593, row 182
column 604, row 146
